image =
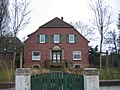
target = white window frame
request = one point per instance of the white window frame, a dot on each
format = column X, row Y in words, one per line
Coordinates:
column 36, row 57
column 71, row 38
column 77, row 52
column 42, row 37
column 56, row 38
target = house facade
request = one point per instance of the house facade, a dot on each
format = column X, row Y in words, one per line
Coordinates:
column 56, row 44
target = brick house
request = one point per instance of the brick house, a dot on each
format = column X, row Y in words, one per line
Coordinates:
column 56, row 44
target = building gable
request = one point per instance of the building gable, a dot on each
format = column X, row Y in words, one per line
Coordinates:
column 56, row 23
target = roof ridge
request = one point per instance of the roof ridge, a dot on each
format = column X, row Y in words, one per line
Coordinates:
column 56, row 23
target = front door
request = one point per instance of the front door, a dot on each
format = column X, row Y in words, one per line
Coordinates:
column 56, row 56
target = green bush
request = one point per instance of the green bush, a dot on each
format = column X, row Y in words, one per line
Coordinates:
column 6, row 76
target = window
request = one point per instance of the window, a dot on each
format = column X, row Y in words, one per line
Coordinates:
column 76, row 55
column 71, row 38
column 42, row 38
column 77, row 66
column 56, row 38
column 35, row 55
column 36, row 66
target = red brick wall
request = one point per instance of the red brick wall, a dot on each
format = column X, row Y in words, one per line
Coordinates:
column 32, row 45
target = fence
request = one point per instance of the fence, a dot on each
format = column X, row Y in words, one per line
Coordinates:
column 24, row 80
column 57, row 81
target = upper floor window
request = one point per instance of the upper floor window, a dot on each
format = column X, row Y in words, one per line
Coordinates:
column 35, row 55
column 72, row 38
column 56, row 38
column 77, row 55
column 42, row 38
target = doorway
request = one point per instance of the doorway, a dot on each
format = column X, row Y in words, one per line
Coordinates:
column 56, row 56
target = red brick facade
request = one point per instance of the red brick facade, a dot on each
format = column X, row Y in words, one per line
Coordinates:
column 46, row 48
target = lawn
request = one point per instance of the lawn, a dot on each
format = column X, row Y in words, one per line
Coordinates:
column 114, row 73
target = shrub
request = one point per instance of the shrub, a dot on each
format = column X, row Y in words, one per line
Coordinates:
column 6, row 76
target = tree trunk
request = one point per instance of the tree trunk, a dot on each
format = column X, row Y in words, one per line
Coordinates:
column 101, row 54
column 21, row 56
column 14, row 57
column 107, row 66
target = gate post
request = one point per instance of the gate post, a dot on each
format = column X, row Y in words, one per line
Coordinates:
column 91, row 79
column 22, row 79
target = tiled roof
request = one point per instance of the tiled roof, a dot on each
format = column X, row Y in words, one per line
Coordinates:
column 7, row 43
column 56, row 23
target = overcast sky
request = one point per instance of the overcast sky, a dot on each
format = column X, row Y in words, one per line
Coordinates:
column 71, row 10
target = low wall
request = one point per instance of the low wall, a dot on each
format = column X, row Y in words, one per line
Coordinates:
column 6, row 85
column 23, row 79
column 91, row 79
column 109, row 84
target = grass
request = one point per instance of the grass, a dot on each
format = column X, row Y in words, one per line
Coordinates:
column 6, row 76
column 9, row 76
column 114, row 73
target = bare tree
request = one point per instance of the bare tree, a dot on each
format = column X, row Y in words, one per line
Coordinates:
column 118, row 25
column 111, row 39
column 19, row 19
column 101, row 21
column 4, row 23
column 118, row 22
column 84, row 29
column 4, row 17
column 118, row 40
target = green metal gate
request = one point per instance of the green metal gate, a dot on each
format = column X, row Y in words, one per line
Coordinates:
column 57, row 81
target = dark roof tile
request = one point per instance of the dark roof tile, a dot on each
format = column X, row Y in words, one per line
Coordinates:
column 56, row 23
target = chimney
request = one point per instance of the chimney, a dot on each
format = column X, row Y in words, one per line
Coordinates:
column 62, row 18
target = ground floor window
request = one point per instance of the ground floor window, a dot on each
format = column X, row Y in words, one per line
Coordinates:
column 36, row 55
column 76, row 55
column 77, row 66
